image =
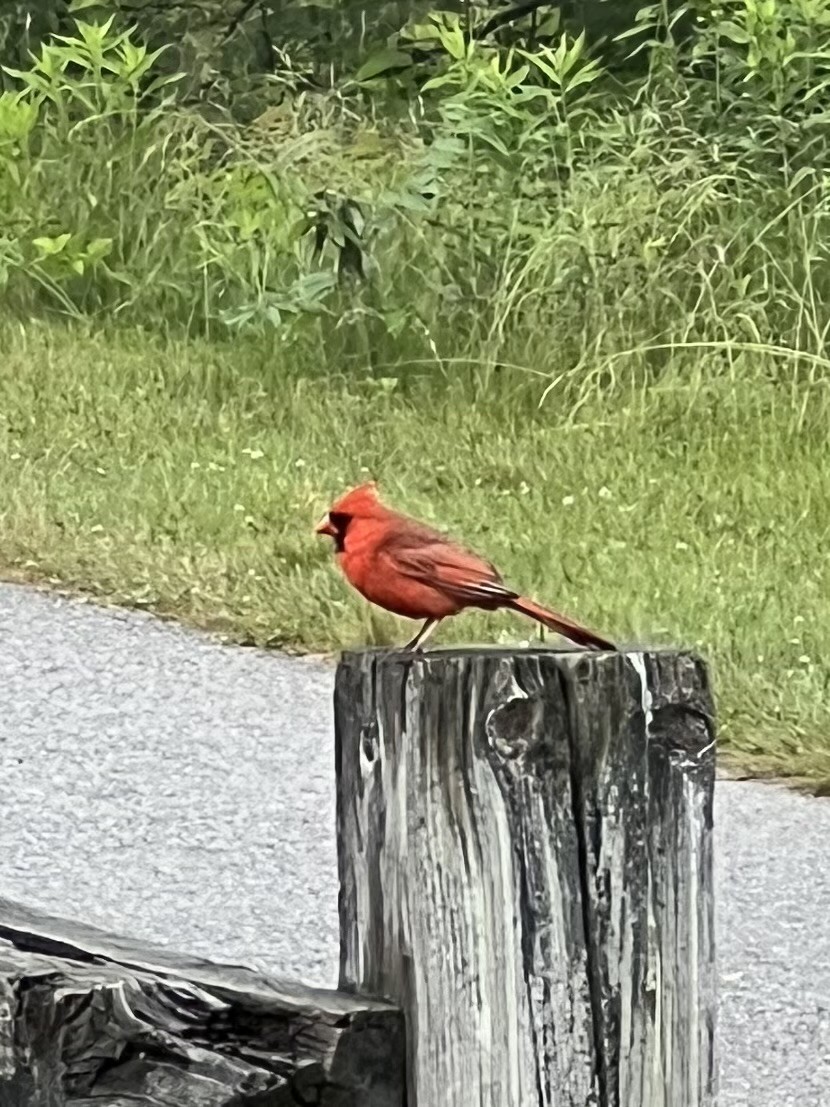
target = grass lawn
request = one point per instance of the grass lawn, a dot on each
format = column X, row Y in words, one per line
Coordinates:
column 186, row 477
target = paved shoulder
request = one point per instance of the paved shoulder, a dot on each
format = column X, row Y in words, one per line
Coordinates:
column 156, row 783
column 773, row 887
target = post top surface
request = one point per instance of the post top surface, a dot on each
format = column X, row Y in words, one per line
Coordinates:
column 450, row 653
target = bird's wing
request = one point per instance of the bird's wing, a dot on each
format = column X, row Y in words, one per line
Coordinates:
column 429, row 558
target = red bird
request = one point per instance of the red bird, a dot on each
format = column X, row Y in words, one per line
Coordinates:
column 412, row 570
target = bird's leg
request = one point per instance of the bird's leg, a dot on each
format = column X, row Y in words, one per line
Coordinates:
column 422, row 635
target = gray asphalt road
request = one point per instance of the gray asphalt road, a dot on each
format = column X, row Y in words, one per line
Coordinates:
column 157, row 783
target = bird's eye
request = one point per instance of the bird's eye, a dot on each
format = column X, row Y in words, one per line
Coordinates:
column 339, row 520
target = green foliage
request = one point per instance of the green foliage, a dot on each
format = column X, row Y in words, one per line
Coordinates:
column 228, row 50
column 627, row 209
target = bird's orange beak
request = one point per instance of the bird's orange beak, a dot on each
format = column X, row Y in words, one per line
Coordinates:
column 325, row 527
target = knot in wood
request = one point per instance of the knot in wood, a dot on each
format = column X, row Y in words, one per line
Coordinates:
column 512, row 727
column 682, row 731
column 369, row 741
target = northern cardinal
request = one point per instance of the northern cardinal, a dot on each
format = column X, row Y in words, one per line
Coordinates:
column 412, row 570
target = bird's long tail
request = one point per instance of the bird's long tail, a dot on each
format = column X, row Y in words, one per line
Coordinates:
column 560, row 624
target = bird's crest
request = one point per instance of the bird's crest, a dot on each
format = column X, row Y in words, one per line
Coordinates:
column 358, row 501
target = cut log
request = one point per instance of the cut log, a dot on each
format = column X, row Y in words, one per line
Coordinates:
column 88, row 1019
column 526, row 868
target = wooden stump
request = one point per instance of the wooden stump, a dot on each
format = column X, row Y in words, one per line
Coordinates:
column 88, row 1019
column 525, row 860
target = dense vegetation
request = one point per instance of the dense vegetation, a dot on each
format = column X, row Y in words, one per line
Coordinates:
column 566, row 294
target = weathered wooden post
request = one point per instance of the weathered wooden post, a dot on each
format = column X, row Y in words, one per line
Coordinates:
column 526, row 868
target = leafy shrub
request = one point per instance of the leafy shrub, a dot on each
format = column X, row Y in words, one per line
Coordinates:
column 521, row 203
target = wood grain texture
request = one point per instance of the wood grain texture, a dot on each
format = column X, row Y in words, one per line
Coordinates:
column 525, row 865
column 88, row 1019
